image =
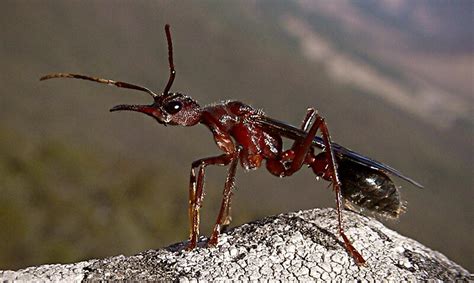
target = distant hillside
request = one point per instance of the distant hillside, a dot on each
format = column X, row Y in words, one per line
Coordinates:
column 416, row 56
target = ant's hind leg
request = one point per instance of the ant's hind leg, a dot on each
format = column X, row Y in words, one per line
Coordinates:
column 300, row 153
column 332, row 170
column 290, row 161
column 310, row 112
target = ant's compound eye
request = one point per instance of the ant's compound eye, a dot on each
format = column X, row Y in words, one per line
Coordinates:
column 173, row 107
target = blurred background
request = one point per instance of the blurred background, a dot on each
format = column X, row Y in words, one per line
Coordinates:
column 393, row 79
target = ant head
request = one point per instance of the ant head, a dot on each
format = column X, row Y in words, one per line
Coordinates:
column 168, row 108
column 172, row 109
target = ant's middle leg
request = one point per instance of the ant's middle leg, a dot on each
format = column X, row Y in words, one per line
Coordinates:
column 196, row 186
column 224, row 218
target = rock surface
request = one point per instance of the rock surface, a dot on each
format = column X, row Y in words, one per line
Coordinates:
column 301, row 245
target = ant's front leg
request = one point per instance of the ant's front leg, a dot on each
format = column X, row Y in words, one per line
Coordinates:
column 196, row 186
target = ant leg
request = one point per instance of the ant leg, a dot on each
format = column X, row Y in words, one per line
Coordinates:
column 349, row 247
column 310, row 112
column 223, row 219
column 227, row 218
column 299, row 154
column 291, row 160
column 337, row 189
column 303, row 147
column 196, row 185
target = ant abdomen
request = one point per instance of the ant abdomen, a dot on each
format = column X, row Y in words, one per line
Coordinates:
column 369, row 189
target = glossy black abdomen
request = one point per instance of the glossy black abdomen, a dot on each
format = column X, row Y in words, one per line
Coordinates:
column 369, row 188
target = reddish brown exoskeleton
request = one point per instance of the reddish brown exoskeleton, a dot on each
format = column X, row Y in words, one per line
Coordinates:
column 245, row 134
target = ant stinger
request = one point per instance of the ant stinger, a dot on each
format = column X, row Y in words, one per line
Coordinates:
column 245, row 134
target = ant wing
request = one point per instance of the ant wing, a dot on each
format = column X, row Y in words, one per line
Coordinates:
column 363, row 160
column 293, row 133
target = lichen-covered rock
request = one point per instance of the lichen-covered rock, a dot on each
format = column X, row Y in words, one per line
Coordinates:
column 302, row 245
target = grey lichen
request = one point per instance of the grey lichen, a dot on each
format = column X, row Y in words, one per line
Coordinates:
column 301, row 245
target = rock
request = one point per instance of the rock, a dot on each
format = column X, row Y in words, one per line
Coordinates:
column 301, row 245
